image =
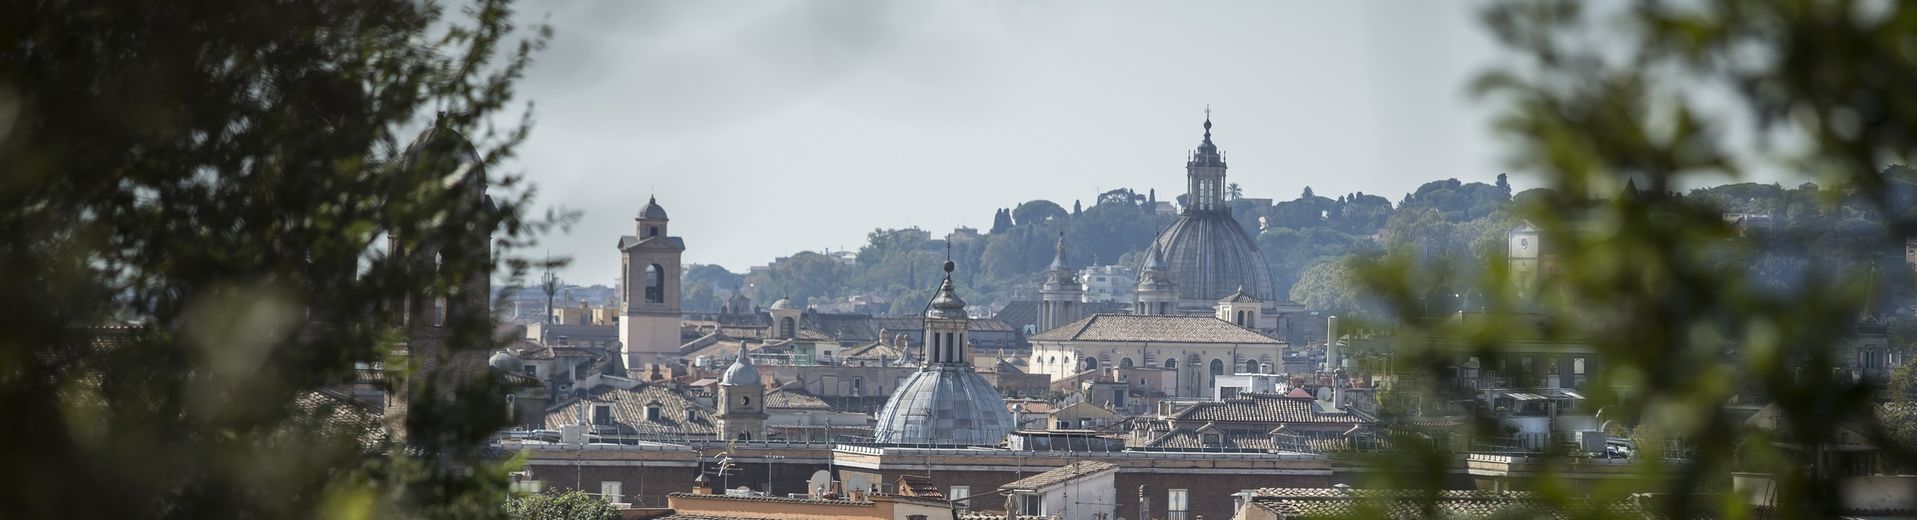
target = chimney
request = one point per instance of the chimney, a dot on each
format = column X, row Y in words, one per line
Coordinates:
column 1331, row 344
column 699, row 486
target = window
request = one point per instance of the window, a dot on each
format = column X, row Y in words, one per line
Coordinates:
column 1577, row 373
column 1125, row 363
column 652, row 412
column 745, row 436
column 1031, row 505
column 609, row 490
column 787, row 329
column 602, row 414
column 652, row 231
column 1176, row 505
column 655, row 284
column 692, row 415
column 958, row 494
column 1251, row 366
column 858, row 386
column 1171, row 364
column 531, row 370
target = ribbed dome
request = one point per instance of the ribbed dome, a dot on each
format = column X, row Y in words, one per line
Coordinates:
column 944, row 404
column 652, row 210
column 741, row 373
column 1207, row 255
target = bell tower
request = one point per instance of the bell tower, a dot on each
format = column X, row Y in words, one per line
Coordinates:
column 1060, row 293
column 649, row 289
column 459, row 253
column 741, row 402
column 1155, row 294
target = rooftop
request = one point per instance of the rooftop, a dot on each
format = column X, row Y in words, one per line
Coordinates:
column 1060, row 475
column 1169, row 329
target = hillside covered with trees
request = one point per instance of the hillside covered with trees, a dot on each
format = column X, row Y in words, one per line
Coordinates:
column 1309, row 240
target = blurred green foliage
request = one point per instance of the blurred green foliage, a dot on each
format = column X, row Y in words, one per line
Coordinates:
column 1615, row 107
column 194, row 201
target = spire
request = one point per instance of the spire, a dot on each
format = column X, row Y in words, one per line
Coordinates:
column 1208, row 122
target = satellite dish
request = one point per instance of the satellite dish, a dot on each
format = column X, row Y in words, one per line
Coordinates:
column 821, row 479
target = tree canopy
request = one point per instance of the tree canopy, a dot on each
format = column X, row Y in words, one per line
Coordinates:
column 195, row 207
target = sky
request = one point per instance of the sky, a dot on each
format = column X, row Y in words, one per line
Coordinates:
column 768, row 128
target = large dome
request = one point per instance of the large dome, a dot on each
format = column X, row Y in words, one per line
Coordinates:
column 944, row 404
column 1209, row 256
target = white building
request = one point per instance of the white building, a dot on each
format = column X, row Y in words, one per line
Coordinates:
column 1108, row 283
column 1085, row 490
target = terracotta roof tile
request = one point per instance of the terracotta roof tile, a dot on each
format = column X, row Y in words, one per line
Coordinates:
column 1060, row 475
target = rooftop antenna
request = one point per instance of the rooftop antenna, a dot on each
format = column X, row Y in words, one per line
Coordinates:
column 551, row 286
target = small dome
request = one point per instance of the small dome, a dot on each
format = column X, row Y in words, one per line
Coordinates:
column 784, row 304
column 652, row 211
column 741, row 373
column 504, row 362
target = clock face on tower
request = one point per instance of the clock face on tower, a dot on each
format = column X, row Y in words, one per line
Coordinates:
column 745, row 400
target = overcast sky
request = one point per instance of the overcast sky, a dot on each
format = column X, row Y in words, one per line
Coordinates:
column 767, row 128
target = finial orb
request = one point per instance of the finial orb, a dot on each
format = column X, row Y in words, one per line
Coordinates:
column 949, row 266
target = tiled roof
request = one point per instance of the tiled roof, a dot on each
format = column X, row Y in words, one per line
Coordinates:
column 989, row 325
column 1018, row 313
column 874, row 350
column 335, row 415
column 919, row 486
column 1170, row 329
column 794, row 399
column 1269, row 408
column 844, row 327
column 1060, row 475
column 629, row 411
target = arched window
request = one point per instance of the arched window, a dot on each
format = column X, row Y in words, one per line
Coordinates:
column 1088, row 363
column 652, row 231
column 1125, row 363
column 655, row 284
column 1251, row 366
column 1171, row 364
column 787, row 329
column 1217, row 367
